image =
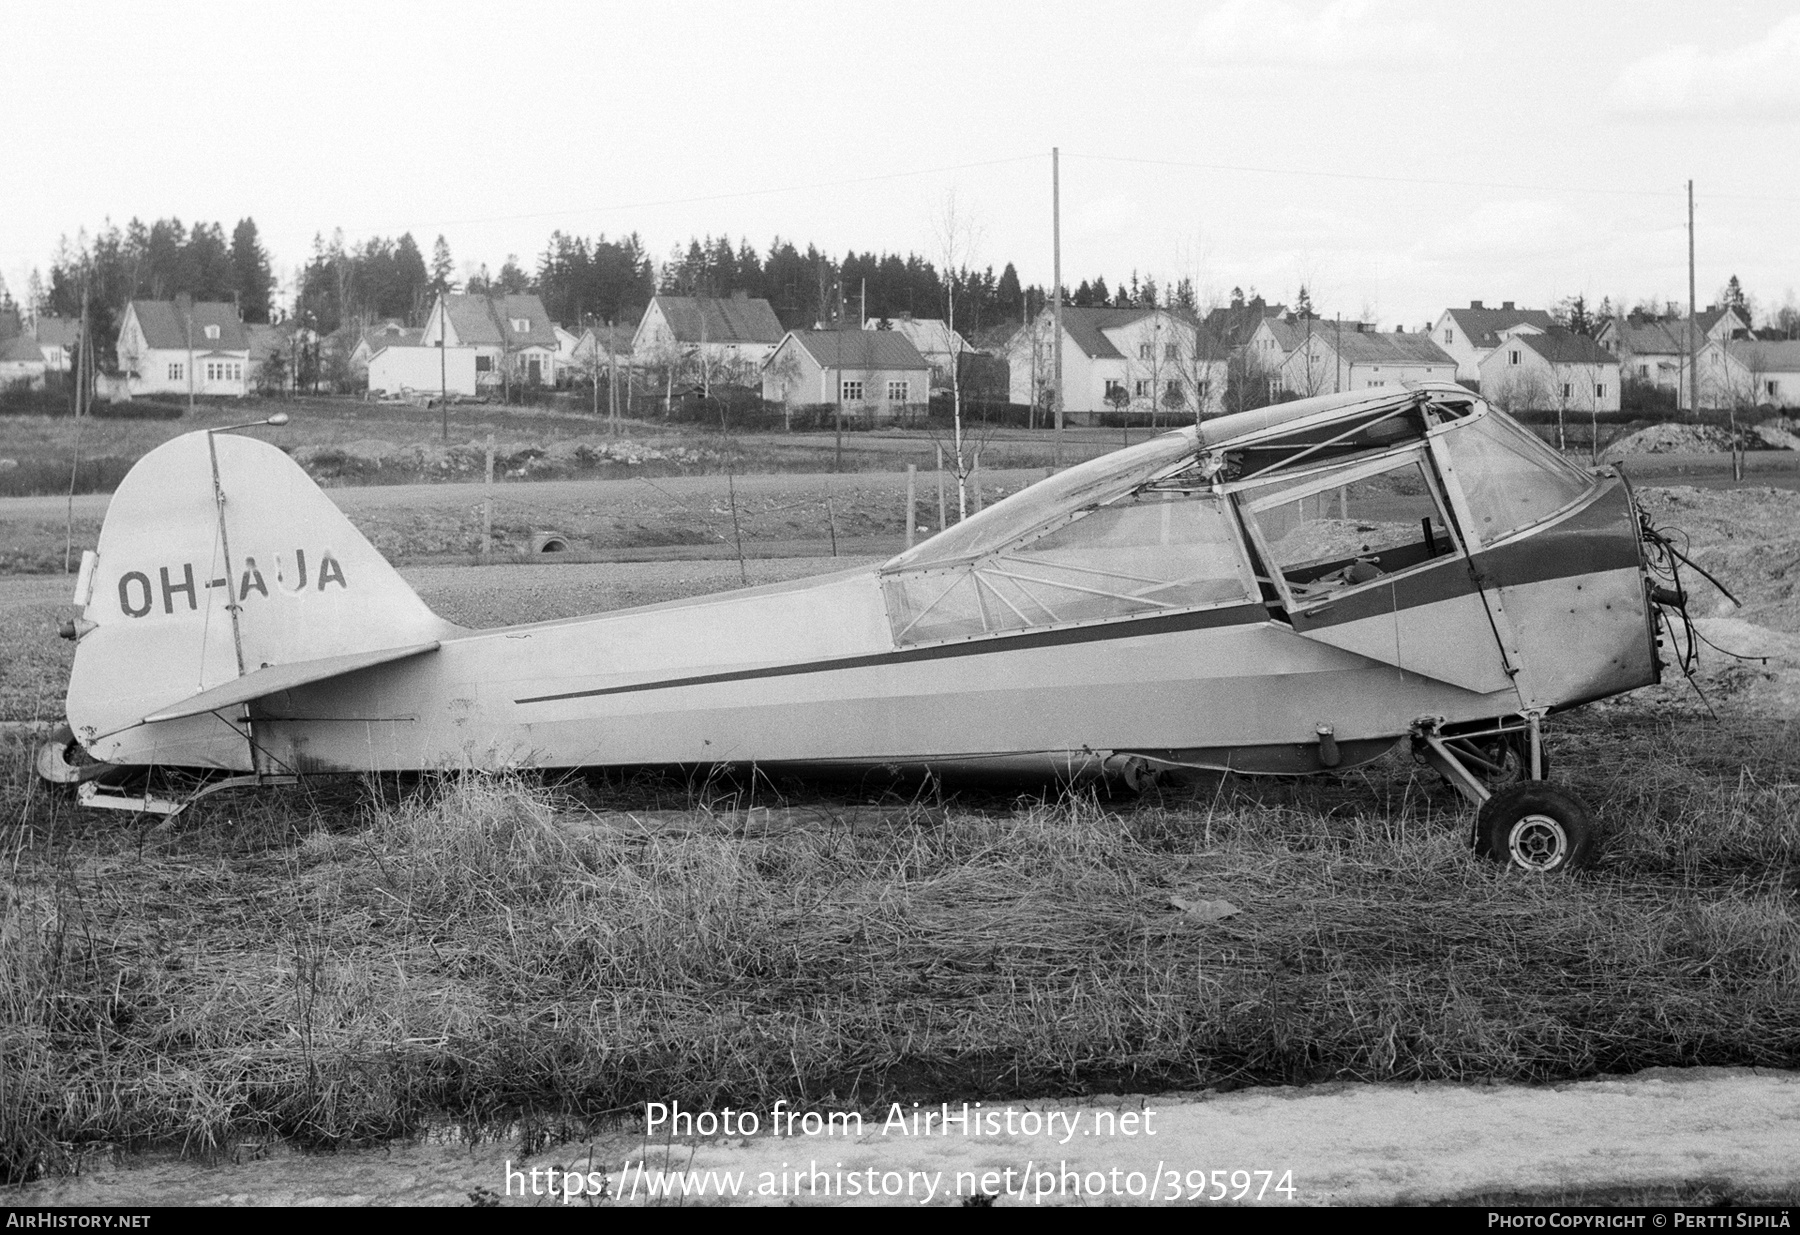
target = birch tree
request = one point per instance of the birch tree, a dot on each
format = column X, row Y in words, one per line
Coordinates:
column 956, row 236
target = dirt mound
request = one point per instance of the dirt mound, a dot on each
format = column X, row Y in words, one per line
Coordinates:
column 376, row 461
column 1779, row 434
column 1669, row 438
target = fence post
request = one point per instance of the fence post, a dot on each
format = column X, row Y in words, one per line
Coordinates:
column 487, row 503
column 912, row 505
column 943, row 510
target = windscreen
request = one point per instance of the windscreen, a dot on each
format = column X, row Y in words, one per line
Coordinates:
column 1142, row 555
column 1510, row 478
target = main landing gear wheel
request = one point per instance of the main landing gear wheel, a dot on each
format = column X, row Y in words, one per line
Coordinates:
column 1536, row 827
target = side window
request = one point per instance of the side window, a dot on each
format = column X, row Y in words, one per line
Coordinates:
column 1343, row 530
column 1142, row 555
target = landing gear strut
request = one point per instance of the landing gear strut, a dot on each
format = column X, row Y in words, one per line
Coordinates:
column 1500, row 770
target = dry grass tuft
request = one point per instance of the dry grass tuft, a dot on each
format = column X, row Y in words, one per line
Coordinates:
column 345, row 963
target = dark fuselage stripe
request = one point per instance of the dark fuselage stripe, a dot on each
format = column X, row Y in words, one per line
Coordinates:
column 1235, row 615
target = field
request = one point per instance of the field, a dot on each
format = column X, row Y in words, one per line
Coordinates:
column 351, row 442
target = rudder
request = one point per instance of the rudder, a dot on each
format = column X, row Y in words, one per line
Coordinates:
column 174, row 562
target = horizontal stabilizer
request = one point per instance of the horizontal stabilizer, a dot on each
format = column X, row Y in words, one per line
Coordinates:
column 276, row 678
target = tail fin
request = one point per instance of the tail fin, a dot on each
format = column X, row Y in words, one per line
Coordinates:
column 193, row 587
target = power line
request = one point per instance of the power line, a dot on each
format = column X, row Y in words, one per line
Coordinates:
column 1419, row 180
column 720, row 197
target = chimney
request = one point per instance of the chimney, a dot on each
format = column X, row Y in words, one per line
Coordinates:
column 1474, row 304
column 1507, row 305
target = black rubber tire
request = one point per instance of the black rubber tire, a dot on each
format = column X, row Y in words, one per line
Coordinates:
column 1537, row 827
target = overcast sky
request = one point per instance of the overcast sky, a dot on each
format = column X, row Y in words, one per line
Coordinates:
column 1397, row 156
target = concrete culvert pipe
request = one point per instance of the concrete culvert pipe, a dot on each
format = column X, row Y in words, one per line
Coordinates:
column 549, row 542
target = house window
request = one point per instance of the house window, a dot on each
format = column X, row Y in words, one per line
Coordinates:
column 521, row 325
column 1142, row 390
column 1512, row 357
column 212, row 332
column 1143, row 351
column 1643, row 370
column 174, row 373
column 1769, row 390
column 1568, row 390
column 1168, row 351
column 1449, row 336
column 851, row 392
column 1172, row 394
column 1112, row 387
column 899, row 392
column 484, row 364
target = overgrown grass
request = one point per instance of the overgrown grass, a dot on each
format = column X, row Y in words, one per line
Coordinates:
column 348, row 961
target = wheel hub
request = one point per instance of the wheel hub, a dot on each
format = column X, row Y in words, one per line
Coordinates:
column 1538, row 842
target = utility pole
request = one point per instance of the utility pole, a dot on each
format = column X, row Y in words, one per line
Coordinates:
column 185, row 303
column 444, row 363
column 612, row 380
column 1693, row 316
column 1057, row 292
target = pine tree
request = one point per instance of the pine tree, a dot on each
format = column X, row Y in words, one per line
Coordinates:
column 250, row 271
column 442, row 268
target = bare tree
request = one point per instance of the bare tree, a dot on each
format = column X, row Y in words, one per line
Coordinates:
column 957, row 236
column 1155, row 360
column 1203, row 361
column 786, row 368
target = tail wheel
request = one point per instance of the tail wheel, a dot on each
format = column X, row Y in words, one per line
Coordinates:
column 1536, row 827
column 62, row 761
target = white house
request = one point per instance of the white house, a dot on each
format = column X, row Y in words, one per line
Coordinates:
column 204, row 351
column 1546, row 370
column 373, row 339
column 404, row 368
column 1329, row 360
column 933, row 339
column 21, row 362
column 1750, row 373
column 513, row 337
column 732, row 334
column 57, row 338
column 566, row 343
column 601, row 346
column 873, row 374
column 1656, row 349
column 1148, row 360
column 1274, row 339
column 1470, row 334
